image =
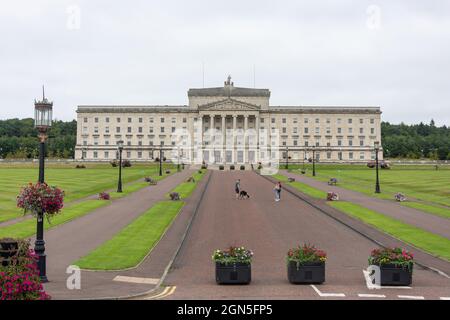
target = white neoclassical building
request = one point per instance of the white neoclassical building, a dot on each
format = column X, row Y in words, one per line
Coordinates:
column 228, row 125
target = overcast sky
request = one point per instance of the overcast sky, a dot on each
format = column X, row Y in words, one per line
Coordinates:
column 393, row 54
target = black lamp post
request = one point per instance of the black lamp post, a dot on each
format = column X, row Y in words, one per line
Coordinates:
column 160, row 159
column 314, row 161
column 43, row 111
column 120, row 147
column 377, row 149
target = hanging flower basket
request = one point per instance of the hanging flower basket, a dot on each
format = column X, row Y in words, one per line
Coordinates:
column 41, row 199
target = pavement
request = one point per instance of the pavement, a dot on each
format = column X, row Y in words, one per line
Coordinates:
column 426, row 221
column 270, row 228
column 69, row 242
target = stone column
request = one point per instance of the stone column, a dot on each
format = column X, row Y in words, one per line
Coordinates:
column 257, row 138
column 234, row 157
column 211, row 137
column 223, row 139
column 245, row 138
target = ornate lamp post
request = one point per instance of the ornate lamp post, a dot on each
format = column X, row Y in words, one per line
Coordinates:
column 120, row 148
column 43, row 111
column 377, row 149
column 160, row 159
column 314, row 161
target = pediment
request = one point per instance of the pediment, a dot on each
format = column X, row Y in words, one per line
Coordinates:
column 229, row 105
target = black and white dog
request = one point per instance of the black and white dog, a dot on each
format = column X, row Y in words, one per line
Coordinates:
column 243, row 194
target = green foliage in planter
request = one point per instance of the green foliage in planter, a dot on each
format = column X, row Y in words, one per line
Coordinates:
column 396, row 256
column 233, row 255
column 306, row 253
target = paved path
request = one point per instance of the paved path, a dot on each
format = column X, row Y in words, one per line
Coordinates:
column 67, row 243
column 270, row 229
column 420, row 219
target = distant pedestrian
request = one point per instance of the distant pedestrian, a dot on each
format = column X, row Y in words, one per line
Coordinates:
column 237, row 188
column 277, row 190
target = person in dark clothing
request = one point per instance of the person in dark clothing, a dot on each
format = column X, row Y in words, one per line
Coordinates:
column 237, row 188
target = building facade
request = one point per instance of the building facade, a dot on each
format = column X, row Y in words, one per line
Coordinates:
column 228, row 125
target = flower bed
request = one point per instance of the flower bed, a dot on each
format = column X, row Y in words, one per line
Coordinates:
column 20, row 280
column 41, row 198
column 306, row 264
column 104, row 196
column 396, row 266
column 233, row 265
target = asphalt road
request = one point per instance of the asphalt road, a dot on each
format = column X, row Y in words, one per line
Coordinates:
column 270, row 228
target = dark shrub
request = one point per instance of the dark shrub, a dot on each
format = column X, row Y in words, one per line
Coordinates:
column 113, row 163
column 150, row 180
column 80, row 166
column 126, row 163
column 242, row 167
column 156, row 159
column 232, row 167
column 204, row 166
column 221, row 167
column 167, row 171
column 200, row 171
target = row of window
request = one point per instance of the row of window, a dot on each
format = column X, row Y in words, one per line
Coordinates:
column 340, row 155
column 273, row 120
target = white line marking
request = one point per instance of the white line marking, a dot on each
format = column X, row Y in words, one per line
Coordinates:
column 372, row 286
column 327, row 294
column 412, row 297
column 444, row 298
column 136, row 280
column 368, row 295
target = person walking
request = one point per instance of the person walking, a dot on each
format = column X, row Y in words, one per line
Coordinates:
column 277, row 190
column 237, row 188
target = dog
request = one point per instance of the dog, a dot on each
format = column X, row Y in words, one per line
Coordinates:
column 243, row 194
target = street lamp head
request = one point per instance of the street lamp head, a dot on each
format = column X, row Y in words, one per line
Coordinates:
column 43, row 113
column 120, row 145
column 376, row 144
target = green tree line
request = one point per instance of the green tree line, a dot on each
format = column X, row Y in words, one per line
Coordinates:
column 18, row 139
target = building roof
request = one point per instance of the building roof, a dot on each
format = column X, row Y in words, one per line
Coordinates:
column 229, row 91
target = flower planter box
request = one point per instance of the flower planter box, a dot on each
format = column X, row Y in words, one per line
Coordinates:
column 236, row 273
column 392, row 275
column 306, row 273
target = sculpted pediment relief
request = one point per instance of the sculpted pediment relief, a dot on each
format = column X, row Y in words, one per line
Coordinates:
column 229, row 105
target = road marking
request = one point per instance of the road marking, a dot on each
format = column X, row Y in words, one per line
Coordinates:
column 411, row 297
column 444, row 298
column 372, row 286
column 327, row 294
column 165, row 293
column 368, row 295
column 136, row 280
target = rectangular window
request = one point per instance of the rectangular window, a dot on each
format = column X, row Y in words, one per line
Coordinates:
column 361, row 156
column 106, row 154
column 350, row 121
column 107, row 119
column 317, row 120
column 350, row 130
column 162, row 129
column 151, row 120
column 162, row 120
column 173, row 120
column 350, row 155
column 117, row 129
column 350, row 143
column 361, row 143
column 317, row 130
column 283, row 120
column 273, row 120
column 284, row 130
column 106, row 142
column 306, row 143
column 140, row 120
column 306, row 120
column 173, row 129
column 129, row 129
column 361, row 130
column 139, row 154
column 151, row 129
column 118, row 120
column 294, row 121
column 85, row 120
column 328, row 155
column 140, row 129
column 106, row 129
column 361, row 121
column 184, row 120
column 95, row 154
column 328, row 130
column 372, row 130
column 95, row 129
column 128, row 143
column 306, row 130
column 294, row 130
column 372, row 120
column 295, row 142
column 128, row 154
column 339, row 142
column 139, row 143
column 96, row 120
column 339, row 130
column 129, row 120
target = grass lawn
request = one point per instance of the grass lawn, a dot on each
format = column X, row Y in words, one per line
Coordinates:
column 127, row 248
column 133, row 243
column 427, row 241
column 304, row 188
column 27, row 228
column 77, row 183
column 185, row 189
column 419, row 182
column 439, row 211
